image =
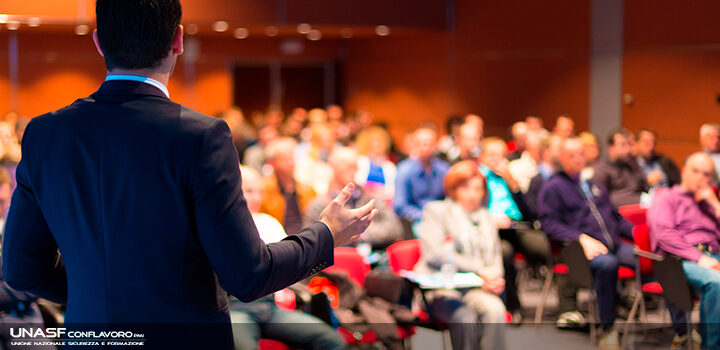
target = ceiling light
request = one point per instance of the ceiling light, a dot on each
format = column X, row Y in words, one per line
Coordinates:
column 314, row 35
column 271, row 31
column 220, row 26
column 13, row 25
column 346, row 33
column 304, row 28
column 82, row 29
column 241, row 33
column 34, row 22
column 382, row 30
column 192, row 29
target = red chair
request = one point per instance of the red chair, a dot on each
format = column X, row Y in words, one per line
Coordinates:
column 403, row 255
column 634, row 213
column 348, row 260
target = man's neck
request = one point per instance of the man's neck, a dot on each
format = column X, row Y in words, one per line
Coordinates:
column 161, row 77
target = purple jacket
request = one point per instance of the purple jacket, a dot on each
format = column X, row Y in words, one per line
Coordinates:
column 677, row 223
column 565, row 213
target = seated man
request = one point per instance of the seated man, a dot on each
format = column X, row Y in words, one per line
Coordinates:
column 620, row 174
column 508, row 209
column 262, row 318
column 660, row 171
column 419, row 178
column 284, row 198
column 385, row 228
column 572, row 209
column 685, row 221
column 710, row 144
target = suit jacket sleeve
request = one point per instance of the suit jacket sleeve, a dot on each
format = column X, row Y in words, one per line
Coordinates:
column 246, row 267
column 31, row 260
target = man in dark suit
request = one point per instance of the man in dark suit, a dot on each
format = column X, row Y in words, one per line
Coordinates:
column 129, row 208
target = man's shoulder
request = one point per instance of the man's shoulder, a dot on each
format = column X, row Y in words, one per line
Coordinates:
column 407, row 166
column 556, row 182
column 162, row 111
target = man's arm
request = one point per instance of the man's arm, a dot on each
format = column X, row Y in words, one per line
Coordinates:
column 550, row 204
column 246, row 267
column 661, row 219
column 31, row 260
column 401, row 199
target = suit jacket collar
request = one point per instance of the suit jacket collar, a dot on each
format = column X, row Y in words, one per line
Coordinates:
column 128, row 88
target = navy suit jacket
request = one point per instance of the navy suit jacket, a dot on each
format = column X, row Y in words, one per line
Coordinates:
column 129, row 209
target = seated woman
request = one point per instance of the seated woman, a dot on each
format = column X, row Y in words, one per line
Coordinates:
column 473, row 314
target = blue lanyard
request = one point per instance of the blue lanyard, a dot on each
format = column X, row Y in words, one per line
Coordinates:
column 141, row 79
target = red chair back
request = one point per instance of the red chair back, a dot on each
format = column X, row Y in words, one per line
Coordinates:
column 634, row 213
column 348, row 260
column 403, row 255
column 641, row 236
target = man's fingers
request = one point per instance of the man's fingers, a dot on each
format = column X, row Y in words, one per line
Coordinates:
column 345, row 194
column 365, row 209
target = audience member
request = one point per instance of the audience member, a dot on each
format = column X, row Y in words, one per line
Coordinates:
column 519, row 133
column 294, row 123
column 507, row 207
column 312, row 168
column 591, row 149
column 262, row 318
column 620, row 174
column 255, row 156
column 376, row 173
column 285, row 199
column 564, row 126
column 710, row 144
column 549, row 165
column 525, row 167
column 569, row 316
column 242, row 133
column 419, row 178
column 385, row 229
column 475, row 317
column 685, row 221
column 476, row 120
column 467, row 144
column 574, row 209
column 535, row 126
column 447, row 145
column 660, row 171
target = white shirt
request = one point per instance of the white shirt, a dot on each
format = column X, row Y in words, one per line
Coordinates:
column 270, row 229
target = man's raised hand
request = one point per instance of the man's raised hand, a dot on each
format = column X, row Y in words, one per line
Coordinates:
column 344, row 223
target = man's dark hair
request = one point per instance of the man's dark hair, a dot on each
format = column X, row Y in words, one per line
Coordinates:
column 616, row 131
column 136, row 34
column 639, row 133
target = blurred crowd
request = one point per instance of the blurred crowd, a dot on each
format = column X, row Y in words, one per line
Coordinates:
column 506, row 202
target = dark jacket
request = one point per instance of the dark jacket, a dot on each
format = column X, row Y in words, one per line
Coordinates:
column 565, row 213
column 670, row 169
column 142, row 198
column 624, row 181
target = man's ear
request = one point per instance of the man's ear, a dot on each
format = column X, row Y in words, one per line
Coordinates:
column 97, row 43
column 177, row 47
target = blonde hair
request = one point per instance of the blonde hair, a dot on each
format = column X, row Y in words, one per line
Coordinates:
column 365, row 138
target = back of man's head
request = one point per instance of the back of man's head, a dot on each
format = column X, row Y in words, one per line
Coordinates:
column 136, row 34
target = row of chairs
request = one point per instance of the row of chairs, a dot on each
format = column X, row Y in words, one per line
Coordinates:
column 404, row 255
